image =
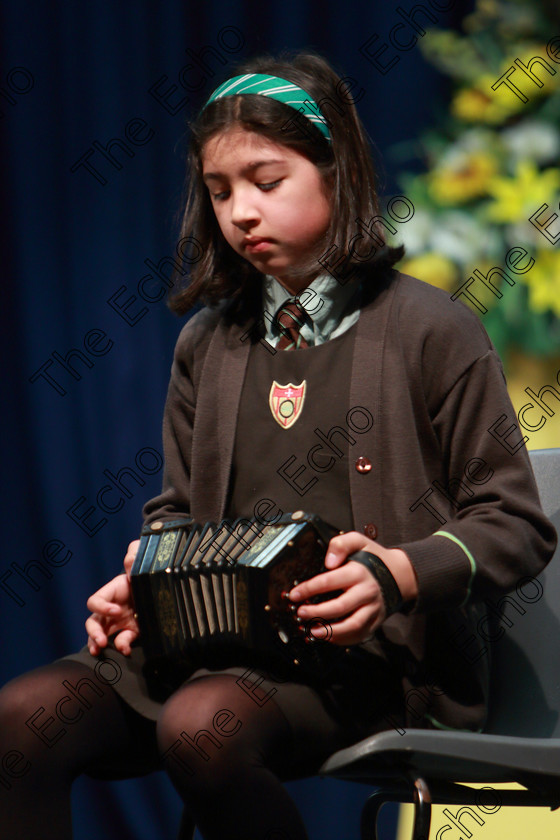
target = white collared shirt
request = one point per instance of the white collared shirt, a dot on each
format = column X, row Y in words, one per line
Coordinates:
column 332, row 308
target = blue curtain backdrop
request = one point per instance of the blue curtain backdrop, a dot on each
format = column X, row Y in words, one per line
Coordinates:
column 93, row 122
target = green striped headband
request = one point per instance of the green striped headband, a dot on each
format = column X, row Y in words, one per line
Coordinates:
column 276, row 88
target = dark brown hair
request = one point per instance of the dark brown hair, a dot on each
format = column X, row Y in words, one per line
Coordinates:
column 219, row 272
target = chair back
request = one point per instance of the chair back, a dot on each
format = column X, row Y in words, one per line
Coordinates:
column 525, row 664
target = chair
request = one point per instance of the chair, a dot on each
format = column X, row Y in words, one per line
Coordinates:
column 522, row 738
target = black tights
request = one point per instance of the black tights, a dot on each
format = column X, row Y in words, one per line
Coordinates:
column 225, row 753
column 59, row 720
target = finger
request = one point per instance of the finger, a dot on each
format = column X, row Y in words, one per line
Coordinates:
column 357, row 596
column 102, row 625
column 344, row 544
column 130, row 556
column 97, row 603
column 99, row 633
column 95, row 645
column 341, row 578
column 95, row 628
column 124, row 640
column 356, row 628
column 336, row 608
column 109, row 627
column 109, row 598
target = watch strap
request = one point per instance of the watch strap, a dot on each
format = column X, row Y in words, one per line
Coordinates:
column 389, row 589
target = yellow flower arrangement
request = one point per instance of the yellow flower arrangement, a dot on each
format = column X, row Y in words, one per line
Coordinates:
column 543, row 282
column 433, row 268
column 462, row 178
column 492, row 165
column 516, row 198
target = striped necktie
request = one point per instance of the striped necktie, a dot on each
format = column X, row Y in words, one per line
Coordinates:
column 290, row 318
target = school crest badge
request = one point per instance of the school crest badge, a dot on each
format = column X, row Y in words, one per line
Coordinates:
column 286, row 402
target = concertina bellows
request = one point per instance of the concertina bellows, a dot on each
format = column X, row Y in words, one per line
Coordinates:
column 211, row 590
column 207, row 593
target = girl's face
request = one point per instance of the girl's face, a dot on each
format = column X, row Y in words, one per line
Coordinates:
column 270, row 201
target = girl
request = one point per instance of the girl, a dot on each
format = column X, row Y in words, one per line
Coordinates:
column 385, row 415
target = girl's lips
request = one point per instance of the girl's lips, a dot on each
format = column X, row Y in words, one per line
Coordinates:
column 256, row 245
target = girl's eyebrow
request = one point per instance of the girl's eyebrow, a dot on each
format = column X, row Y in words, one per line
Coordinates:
column 249, row 168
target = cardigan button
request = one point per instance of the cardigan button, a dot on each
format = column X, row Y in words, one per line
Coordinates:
column 363, row 465
column 370, row 530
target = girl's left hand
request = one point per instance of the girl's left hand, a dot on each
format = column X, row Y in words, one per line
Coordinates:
column 355, row 614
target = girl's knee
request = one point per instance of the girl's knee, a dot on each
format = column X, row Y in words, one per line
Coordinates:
column 199, row 731
column 23, row 712
column 18, row 699
column 201, row 709
column 39, row 704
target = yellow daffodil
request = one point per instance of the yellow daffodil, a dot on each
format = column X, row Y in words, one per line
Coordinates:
column 433, row 268
column 463, row 178
column 518, row 197
column 482, row 104
column 543, row 281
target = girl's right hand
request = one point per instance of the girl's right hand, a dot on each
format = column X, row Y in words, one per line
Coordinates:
column 112, row 611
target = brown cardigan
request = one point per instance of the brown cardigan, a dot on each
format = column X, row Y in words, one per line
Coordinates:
column 426, row 370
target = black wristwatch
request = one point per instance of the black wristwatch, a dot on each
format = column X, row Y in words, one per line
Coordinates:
column 389, row 589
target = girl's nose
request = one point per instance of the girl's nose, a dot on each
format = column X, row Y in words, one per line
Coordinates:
column 243, row 209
